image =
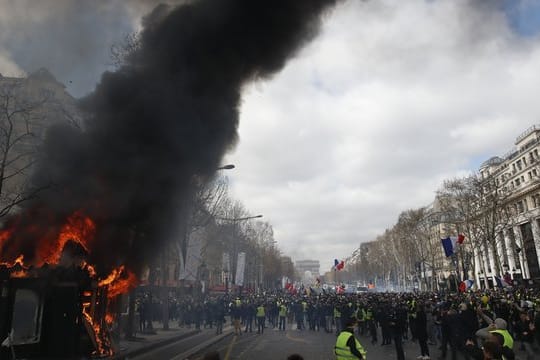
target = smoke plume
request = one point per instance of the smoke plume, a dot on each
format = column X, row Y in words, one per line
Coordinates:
column 168, row 113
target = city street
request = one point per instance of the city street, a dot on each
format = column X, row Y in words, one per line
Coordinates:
column 274, row 344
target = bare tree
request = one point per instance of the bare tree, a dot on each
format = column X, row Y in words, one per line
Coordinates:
column 478, row 206
column 20, row 115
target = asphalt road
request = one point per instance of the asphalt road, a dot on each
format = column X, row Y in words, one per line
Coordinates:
column 275, row 345
column 183, row 346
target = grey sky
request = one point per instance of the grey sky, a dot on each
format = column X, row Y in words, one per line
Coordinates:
column 391, row 99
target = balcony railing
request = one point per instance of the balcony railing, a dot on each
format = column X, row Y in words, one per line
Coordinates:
column 527, row 132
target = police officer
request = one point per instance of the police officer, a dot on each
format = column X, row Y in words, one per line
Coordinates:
column 236, row 314
column 347, row 346
column 337, row 318
column 397, row 320
column 370, row 321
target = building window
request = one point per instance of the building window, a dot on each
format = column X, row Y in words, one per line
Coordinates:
column 517, row 182
column 518, row 164
column 536, row 200
column 513, row 209
column 520, row 207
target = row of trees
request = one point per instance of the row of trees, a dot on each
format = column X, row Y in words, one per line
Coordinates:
column 224, row 226
column 484, row 206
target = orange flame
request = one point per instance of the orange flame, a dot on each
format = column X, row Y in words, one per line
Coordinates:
column 5, row 234
column 119, row 282
column 103, row 347
column 78, row 228
column 18, row 273
column 91, row 270
column 122, row 286
column 81, row 230
column 19, row 260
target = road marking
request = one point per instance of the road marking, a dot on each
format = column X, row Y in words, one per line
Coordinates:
column 229, row 349
column 296, row 339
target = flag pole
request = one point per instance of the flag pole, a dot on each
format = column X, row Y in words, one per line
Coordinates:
column 456, row 264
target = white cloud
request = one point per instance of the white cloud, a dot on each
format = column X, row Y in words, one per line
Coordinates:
column 391, row 99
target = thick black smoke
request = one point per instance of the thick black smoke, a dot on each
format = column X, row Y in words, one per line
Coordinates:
column 170, row 112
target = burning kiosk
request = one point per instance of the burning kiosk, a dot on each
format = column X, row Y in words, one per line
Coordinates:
column 58, row 307
column 52, row 313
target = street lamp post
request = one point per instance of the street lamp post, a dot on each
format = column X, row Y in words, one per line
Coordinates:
column 226, row 282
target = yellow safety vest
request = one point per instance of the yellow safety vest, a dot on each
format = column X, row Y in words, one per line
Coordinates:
column 337, row 313
column 508, row 341
column 369, row 315
column 260, row 311
column 282, row 311
column 360, row 314
column 341, row 349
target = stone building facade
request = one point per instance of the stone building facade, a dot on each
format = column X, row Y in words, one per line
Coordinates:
column 517, row 174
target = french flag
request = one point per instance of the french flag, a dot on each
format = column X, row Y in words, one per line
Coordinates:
column 502, row 283
column 451, row 243
column 338, row 265
column 465, row 285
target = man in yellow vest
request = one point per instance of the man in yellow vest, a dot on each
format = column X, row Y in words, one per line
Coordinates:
column 282, row 316
column 501, row 329
column 347, row 346
column 495, row 326
column 261, row 317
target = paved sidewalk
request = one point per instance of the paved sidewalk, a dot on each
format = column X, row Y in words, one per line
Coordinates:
column 147, row 341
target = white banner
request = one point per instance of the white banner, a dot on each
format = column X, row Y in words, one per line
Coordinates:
column 240, row 267
column 193, row 258
column 226, row 263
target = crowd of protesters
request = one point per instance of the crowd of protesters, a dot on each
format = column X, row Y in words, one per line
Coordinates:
column 490, row 324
